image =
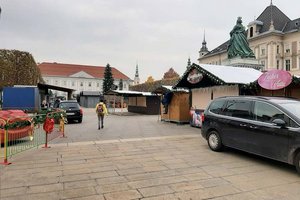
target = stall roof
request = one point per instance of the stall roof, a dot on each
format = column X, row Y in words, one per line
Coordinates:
column 54, row 87
column 168, row 88
column 90, row 93
column 219, row 75
column 128, row 93
column 229, row 74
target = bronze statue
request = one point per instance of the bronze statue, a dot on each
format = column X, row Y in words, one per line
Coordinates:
column 238, row 44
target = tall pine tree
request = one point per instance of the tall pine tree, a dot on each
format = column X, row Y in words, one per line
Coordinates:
column 108, row 81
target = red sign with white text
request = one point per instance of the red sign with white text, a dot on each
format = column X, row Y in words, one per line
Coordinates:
column 275, row 79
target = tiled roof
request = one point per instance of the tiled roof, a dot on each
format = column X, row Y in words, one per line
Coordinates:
column 66, row 70
column 279, row 19
column 221, row 48
column 292, row 25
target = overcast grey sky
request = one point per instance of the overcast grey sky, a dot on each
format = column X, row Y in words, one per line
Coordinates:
column 158, row 34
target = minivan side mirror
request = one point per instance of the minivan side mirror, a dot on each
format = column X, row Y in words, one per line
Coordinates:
column 279, row 122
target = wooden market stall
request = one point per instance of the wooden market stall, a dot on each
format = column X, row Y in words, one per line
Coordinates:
column 207, row 82
column 278, row 83
column 139, row 102
column 177, row 107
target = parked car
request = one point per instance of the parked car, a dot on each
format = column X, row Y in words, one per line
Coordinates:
column 265, row 126
column 73, row 110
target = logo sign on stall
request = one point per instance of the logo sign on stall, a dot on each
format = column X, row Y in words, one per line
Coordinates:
column 275, row 79
column 194, row 76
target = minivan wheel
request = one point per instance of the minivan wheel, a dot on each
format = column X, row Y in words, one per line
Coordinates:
column 297, row 162
column 214, row 141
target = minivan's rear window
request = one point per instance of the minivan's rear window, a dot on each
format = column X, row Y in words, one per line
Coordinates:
column 216, row 106
column 238, row 108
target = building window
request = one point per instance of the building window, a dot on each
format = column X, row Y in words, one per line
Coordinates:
column 65, row 83
column 277, row 49
column 81, row 84
column 251, row 32
column 73, row 83
column 263, row 52
column 56, row 82
column 287, row 65
column 90, row 84
column 287, row 48
column 277, row 64
column 98, row 84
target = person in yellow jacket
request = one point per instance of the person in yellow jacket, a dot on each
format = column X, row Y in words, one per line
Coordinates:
column 101, row 110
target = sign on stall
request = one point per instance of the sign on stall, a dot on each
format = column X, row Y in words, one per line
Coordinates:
column 275, row 79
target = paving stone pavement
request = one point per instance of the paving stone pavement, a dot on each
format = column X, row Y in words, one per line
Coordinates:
column 179, row 167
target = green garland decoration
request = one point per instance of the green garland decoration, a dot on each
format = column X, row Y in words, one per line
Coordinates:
column 15, row 125
column 37, row 119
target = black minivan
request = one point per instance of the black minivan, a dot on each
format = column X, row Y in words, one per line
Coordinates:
column 265, row 126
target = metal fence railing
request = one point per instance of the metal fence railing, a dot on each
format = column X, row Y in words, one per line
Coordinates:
column 24, row 132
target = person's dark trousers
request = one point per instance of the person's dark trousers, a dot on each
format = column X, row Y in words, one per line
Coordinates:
column 100, row 120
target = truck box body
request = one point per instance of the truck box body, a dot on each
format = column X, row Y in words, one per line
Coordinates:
column 23, row 98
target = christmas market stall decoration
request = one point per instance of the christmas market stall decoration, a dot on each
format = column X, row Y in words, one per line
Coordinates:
column 207, row 82
column 139, row 102
column 19, row 125
column 20, row 131
column 277, row 83
column 174, row 104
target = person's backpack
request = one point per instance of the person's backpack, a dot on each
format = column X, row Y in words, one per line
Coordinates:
column 100, row 109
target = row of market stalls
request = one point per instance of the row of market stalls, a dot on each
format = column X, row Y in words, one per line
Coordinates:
column 139, row 102
column 207, row 82
column 185, row 101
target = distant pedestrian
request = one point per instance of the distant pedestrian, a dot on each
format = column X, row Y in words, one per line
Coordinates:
column 101, row 111
column 44, row 104
column 56, row 103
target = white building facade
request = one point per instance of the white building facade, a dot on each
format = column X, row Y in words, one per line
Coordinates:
column 79, row 77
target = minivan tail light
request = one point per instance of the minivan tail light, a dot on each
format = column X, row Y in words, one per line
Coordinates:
column 81, row 111
column 202, row 117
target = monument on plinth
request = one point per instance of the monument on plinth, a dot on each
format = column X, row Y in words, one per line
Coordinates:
column 238, row 50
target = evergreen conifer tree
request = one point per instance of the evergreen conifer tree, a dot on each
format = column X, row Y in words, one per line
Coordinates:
column 108, row 81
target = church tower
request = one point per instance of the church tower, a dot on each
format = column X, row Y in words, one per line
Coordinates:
column 136, row 76
column 203, row 49
column 188, row 63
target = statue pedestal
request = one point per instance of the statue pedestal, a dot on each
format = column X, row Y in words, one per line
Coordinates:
column 244, row 62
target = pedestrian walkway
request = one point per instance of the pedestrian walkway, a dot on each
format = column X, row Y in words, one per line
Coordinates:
column 122, row 127
column 170, row 167
column 156, row 165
